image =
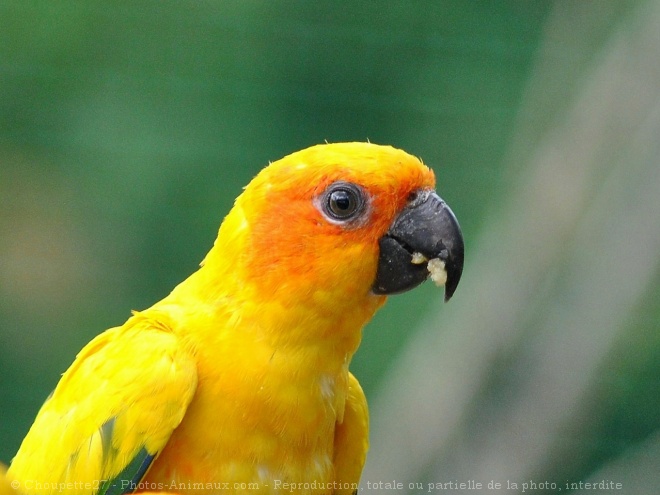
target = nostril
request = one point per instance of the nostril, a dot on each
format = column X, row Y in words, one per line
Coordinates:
column 417, row 196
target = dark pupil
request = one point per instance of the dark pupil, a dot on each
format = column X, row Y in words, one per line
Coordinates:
column 341, row 201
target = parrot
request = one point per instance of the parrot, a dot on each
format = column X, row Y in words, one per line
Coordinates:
column 238, row 381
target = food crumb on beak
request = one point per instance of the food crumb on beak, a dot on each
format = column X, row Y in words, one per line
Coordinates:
column 437, row 271
column 418, row 258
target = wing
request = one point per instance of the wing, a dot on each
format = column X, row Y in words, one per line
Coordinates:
column 5, row 486
column 110, row 415
column 352, row 438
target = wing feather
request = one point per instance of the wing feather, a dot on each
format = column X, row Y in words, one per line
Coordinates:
column 110, row 415
column 351, row 439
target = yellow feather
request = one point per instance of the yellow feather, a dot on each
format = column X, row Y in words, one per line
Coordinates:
column 240, row 375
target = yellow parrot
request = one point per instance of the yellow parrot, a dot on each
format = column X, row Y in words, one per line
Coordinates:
column 238, row 381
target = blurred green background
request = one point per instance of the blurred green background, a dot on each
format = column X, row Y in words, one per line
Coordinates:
column 128, row 128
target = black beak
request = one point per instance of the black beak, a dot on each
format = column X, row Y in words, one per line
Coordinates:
column 425, row 227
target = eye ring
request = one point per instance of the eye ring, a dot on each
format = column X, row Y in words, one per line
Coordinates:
column 343, row 202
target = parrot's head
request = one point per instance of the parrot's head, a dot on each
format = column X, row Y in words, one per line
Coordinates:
column 342, row 222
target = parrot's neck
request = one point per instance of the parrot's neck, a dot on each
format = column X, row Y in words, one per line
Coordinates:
column 292, row 316
column 292, row 334
column 283, row 359
column 295, row 302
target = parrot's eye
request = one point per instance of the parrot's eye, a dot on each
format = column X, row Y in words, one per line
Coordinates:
column 343, row 201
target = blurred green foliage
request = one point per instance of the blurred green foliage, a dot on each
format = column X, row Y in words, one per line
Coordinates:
column 128, row 128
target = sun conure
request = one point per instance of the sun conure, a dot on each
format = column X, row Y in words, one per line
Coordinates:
column 238, row 381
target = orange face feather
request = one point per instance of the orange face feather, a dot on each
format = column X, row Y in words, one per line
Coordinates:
column 289, row 240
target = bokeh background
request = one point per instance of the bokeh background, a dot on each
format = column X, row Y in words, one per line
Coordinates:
column 128, row 128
